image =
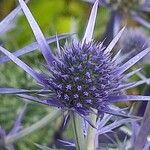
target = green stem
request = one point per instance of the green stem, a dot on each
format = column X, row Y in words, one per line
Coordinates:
column 92, row 136
column 78, row 131
column 43, row 122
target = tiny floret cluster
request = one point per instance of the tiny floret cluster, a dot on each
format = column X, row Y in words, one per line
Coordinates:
column 85, row 77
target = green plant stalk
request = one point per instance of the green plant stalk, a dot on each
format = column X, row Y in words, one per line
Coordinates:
column 43, row 122
column 77, row 127
column 92, row 136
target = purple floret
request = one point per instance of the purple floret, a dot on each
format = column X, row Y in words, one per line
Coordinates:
column 93, row 69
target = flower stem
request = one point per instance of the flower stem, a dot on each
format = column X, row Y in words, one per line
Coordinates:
column 144, row 130
column 78, row 132
column 92, row 135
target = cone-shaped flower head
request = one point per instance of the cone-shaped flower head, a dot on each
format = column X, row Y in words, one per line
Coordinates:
column 140, row 41
column 83, row 75
column 85, row 78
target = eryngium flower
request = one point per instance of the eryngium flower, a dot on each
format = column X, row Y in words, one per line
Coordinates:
column 124, row 5
column 140, row 41
column 83, row 76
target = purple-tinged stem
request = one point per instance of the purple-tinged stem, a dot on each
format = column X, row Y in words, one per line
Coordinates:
column 144, row 130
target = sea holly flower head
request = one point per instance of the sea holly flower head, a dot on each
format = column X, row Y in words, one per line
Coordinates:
column 82, row 76
column 125, row 6
column 140, row 41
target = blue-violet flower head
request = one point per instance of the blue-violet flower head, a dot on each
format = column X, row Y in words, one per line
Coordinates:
column 94, row 70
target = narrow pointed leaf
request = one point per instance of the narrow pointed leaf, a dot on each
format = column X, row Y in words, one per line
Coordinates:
column 34, row 127
column 140, row 20
column 116, row 124
column 91, row 23
column 123, row 98
column 147, row 81
column 117, row 55
column 41, row 147
column 21, row 64
column 113, row 27
column 114, row 41
column 118, row 113
column 114, row 112
column 67, row 143
column 123, row 146
column 125, row 86
column 48, row 102
column 58, row 45
column 43, row 45
column 104, row 120
column 13, row 91
column 22, row 91
column 8, row 19
column 18, row 121
column 141, row 76
column 133, row 60
column 131, row 73
column 32, row 47
column 32, row 99
column 88, row 120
